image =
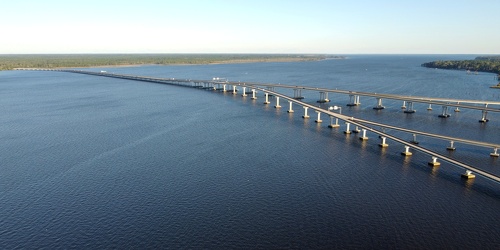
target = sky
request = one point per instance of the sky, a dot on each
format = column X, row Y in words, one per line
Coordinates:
column 251, row 26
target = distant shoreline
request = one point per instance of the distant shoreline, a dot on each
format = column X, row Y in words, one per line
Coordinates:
column 9, row 62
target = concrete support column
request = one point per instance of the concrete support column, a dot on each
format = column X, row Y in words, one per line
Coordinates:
column 444, row 113
column 347, row 131
column 451, row 147
column 456, row 108
column 379, row 104
column 305, row 113
column 414, row 141
column 323, row 97
column 468, row 175
column 253, row 94
column 410, row 109
column 336, row 125
column 290, row 110
column 430, row 107
column 356, row 130
column 267, row 98
column 244, row 91
column 404, row 105
column 357, row 100
column 483, row 117
column 363, row 138
column 277, row 102
column 224, row 88
column 234, row 90
column 407, row 151
column 382, row 143
column 319, row 117
column 434, row 162
column 495, row 153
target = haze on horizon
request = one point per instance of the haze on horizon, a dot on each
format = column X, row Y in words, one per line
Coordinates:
column 237, row 26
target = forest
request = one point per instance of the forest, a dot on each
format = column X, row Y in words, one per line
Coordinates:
column 9, row 62
column 489, row 64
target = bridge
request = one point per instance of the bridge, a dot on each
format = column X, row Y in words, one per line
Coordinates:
column 365, row 125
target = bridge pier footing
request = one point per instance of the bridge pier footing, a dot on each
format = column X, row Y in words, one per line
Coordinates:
column 347, row 131
column 414, row 140
column 483, row 117
column 434, row 162
column 353, row 100
column 319, row 117
column 305, row 113
column 410, row 109
column 382, row 143
column 336, row 125
column 267, row 98
column 451, row 147
column 495, row 153
column 277, row 102
column 468, row 175
column 379, row 104
column 290, row 110
column 253, row 94
column 430, row 107
column 356, row 130
column 407, row 151
column 363, row 137
column 444, row 113
column 323, row 97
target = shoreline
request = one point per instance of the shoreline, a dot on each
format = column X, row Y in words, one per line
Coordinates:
column 118, row 61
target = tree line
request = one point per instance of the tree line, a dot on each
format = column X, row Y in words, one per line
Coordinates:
column 9, row 62
column 489, row 64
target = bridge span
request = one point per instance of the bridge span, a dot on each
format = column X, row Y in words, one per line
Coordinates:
column 365, row 125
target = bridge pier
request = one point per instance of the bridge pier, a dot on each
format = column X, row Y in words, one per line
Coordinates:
column 495, row 153
column 444, row 113
column 319, row 117
column 483, row 117
column 253, row 94
column 297, row 94
column 244, row 91
column 323, row 97
column 456, row 108
column 224, row 88
column 353, row 100
column 290, row 110
column 234, row 90
column 404, row 105
column 468, row 175
column 347, row 131
column 379, row 104
column 267, row 98
column 414, row 141
column 451, row 147
column 407, row 151
column 356, row 130
column 430, row 107
column 382, row 143
column 410, row 109
column 336, row 125
column 434, row 162
column 364, row 137
column 305, row 113
column 277, row 102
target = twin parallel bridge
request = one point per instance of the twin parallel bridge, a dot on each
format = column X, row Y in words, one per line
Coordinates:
column 362, row 126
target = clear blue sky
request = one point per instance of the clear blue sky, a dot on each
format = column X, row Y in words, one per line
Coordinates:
column 251, row 26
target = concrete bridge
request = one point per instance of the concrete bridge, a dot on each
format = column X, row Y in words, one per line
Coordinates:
column 362, row 126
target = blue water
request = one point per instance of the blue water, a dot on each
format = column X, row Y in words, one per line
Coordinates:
column 91, row 162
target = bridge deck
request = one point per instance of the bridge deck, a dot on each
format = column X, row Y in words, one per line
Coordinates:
column 355, row 121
